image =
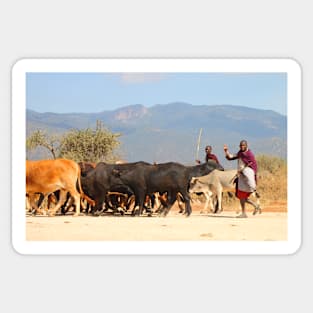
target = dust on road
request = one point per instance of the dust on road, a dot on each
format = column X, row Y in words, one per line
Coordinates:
column 268, row 226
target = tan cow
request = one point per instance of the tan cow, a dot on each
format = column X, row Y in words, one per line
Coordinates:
column 48, row 176
column 214, row 184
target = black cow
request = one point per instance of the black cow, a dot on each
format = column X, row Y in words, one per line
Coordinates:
column 99, row 181
column 86, row 167
column 172, row 178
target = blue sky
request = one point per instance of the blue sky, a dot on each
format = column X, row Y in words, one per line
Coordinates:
column 95, row 92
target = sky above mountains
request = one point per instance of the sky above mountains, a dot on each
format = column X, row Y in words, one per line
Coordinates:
column 96, row 92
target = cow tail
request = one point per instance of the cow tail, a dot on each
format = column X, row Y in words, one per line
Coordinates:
column 80, row 189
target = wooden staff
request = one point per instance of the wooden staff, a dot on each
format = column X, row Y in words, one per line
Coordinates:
column 198, row 144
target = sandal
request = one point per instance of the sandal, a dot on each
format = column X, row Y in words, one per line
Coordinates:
column 242, row 215
column 256, row 210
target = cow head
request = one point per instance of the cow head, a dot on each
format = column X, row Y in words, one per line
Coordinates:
column 214, row 166
column 196, row 186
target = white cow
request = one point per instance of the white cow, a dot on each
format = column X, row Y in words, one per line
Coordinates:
column 214, row 184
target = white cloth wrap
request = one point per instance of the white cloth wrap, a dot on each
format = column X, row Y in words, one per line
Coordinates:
column 246, row 180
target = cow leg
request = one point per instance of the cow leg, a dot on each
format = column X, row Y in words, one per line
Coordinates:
column 186, row 198
column 130, row 202
column 171, row 198
column 149, row 205
column 163, row 204
column 57, row 207
column 135, row 208
column 159, row 209
column 188, row 207
column 180, row 203
column 208, row 196
column 207, row 200
column 77, row 205
column 101, row 205
column 219, row 201
column 122, row 203
column 41, row 200
column 157, row 202
column 68, row 203
column 84, row 205
column 118, row 202
column 33, row 204
column 139, row 202
column 110, row 202
column 214, row 204
column 76, row 197
column 138, row 208
column 52, row 199
column 36, row 205
column 28, row 205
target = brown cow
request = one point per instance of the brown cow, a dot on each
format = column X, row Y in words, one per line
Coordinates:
column 48, row 176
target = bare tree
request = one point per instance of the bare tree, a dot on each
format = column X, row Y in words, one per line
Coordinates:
column 40, row 138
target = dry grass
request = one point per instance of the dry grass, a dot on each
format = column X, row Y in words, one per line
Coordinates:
column 272, row 178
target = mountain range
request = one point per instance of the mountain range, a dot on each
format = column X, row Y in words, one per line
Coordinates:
column 169, row 132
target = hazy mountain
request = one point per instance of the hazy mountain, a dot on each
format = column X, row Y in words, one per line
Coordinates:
column 170, row 132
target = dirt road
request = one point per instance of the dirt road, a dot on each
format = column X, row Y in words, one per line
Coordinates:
column 270, row 226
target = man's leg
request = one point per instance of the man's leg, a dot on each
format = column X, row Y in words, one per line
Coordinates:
column 243, row 208
column 256, row 206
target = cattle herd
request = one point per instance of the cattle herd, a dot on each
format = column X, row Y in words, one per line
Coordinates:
column 54, row 186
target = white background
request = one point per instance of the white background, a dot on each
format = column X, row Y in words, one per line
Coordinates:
column 159, row 29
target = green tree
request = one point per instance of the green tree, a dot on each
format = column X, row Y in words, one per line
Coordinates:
column 92, row 145
column 89, row 145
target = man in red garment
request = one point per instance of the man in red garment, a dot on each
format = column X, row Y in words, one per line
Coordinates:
column 247, row 170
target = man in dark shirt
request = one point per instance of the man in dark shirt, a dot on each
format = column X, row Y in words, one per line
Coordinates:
column 209, row 155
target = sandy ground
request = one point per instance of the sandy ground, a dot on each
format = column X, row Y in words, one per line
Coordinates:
column 271, row 225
